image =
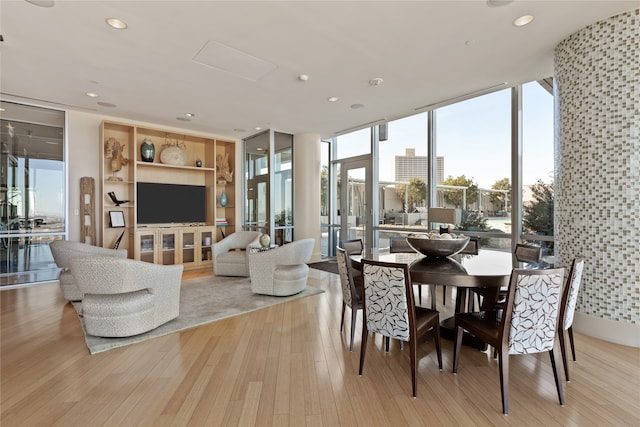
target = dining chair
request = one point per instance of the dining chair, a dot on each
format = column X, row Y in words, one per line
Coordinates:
column 389, row 310
column 528, row 324
column 353, row 247
column 351, row 294
column 567, row 310
column 527, row 253
column 399, row 245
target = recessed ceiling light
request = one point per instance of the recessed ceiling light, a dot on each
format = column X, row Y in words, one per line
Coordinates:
column 41, row 3
column 183, row 119
column 498, row 3
column 257, row 128
column 259, row 149
column 333, row 99
column 356, row 106
column 189, row 114
column 523, row 20
column 92, row 94
column 117, row 23
column 107, row 104
column 377, row 81
column 2, row 109
column 303, row 77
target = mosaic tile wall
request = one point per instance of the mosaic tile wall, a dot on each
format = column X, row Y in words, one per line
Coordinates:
column 597, row 183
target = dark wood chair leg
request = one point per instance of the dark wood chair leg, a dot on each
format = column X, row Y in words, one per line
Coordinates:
column 363, row 347
column 444, row 295
column 563, row 350
column 432, row 291
column 344, row 305
column 503, row 361
column 414, row 364
column 386, row 343
column 354, row 314
column 438, row 348
column 420, row 294
column 456, row 348
column 556, row 375
column 573, row 348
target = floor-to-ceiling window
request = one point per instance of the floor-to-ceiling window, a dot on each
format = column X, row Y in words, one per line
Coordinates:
column 472, row 166
column 32, row 191
column 537, row 166
column 473, row 139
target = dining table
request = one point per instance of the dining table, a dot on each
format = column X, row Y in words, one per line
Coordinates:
column 489, row 269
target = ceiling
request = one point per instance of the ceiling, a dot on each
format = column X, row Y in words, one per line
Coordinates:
column 427, row 53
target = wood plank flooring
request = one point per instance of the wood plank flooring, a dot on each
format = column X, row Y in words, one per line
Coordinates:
column 286, row 365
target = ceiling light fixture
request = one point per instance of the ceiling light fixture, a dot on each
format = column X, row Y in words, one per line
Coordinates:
column 117, row 23
column 258, row 128
column 333, row 99
column 303, row 77
column 41, row 3
column 523, row 20
column 2, row 109
column 357, row 106
column 377, row 81
column 189, row 114
column 92, row 94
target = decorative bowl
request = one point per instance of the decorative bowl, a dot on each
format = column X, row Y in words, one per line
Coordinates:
column 437, row 247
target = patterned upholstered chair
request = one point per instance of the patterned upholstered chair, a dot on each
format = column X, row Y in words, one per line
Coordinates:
column 353, row 247
column 64, row 251
column 568, row 308
column 123, row 297
column 351, row 295
column 527, row 325
column 281, row 271
column 230, row 253
column 390, row 311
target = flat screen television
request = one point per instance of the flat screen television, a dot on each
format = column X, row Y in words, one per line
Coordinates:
column 170, row 203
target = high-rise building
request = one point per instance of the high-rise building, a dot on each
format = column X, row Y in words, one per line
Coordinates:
column 410, row 166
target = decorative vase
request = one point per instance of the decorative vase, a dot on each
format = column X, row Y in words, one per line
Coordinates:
column 265, row 240
column 223, row 198
column 172, row 155
column 147, row 150
column 198, row 163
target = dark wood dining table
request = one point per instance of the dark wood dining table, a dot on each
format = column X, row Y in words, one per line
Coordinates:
column 489, row 269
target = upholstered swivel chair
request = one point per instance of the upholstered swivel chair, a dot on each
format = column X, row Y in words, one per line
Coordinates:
column 567, row 310
column 525, row 325
column 351, row 295
column 64, row 251
column 281, row 271
column 230, row 253
column 123, row 297
column 390, row 311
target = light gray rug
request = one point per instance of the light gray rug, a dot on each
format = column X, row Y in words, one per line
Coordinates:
column 202, row 300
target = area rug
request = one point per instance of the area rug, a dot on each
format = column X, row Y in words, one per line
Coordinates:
column 202, row 300
column 330, row 266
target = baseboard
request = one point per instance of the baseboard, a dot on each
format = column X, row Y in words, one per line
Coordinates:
column 607, row 330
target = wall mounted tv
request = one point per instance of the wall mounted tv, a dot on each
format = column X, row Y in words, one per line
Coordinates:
column 170, row 203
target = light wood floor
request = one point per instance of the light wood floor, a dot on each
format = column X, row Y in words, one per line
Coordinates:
column 285, row 365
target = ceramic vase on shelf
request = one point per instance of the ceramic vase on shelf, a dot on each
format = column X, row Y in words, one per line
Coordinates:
column 147, row 150
column 265, row 240
column 223, row 198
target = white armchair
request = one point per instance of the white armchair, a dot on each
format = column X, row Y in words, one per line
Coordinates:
column 230, row 253
column 281, row 271
column 123, row 297
column 64, row 251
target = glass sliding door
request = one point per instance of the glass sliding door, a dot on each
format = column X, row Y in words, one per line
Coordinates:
column 355, row 202
column 32, row 191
